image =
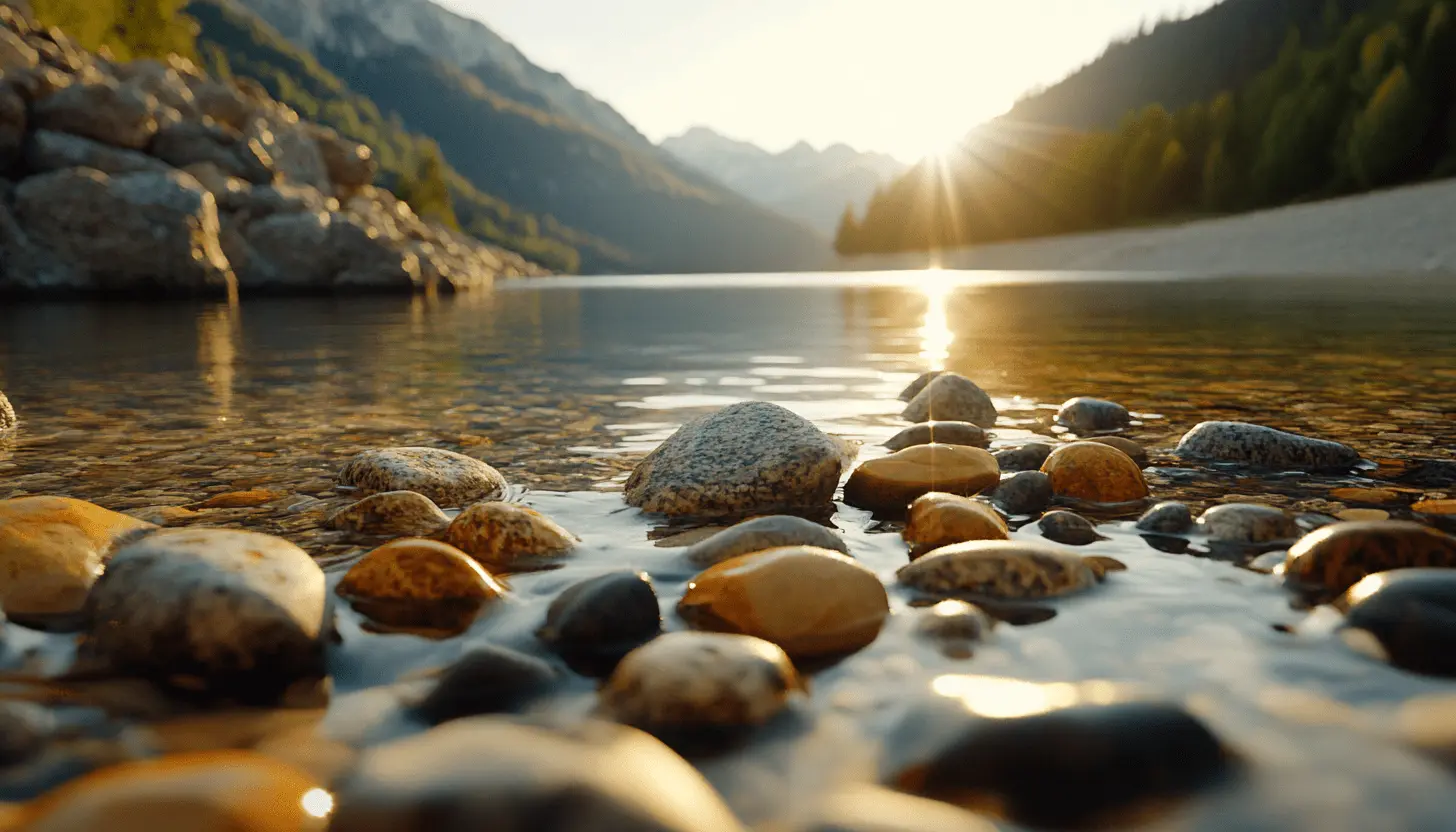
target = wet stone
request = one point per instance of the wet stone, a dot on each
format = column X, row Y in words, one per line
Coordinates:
column 241, row 499
column 938, row 519
column 951, row 397
column 1136, row 452
column 163, row 515
column 1330, row 560
column 942, row 433
column 1002, row 569
column 889, row 484
column 1096, row 473
column 1439, row 508
column 1025, row 492
column 1248, row 523
column 762, row 533
column 391, row 513
column 53, row 548
column 913, row 388
column 8, row 419
column 747, row 458
column 596, row 622
column 420, row 586
column 1068, row 527
column 1028, row 457
column 1085, row 414
column 953, row 626
column 504, row 536
column 448, row 478
column 1166, row 518
column 1372, row 496
column 486, row 680
column 1411, row 614
column 1264, row 447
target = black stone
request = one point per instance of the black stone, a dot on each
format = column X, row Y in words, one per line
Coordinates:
column 486, row 680
column 1069, row 528
column 1413, row 616
column 1027, row 492
column 593, row 624
column 1028, row 457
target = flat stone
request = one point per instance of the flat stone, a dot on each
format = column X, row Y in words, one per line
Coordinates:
column 486, row 680
column 450, row 479
column 1096, row 473
column 53, row 548
column 941, row 433
column 163, row 515
column 1137, row 452
column 762, row 533
column 913, row 388
column 419, row 585
column 891, row 483
column 1362, row 514
column 391, row 513
column 1330, row 560
column 1264, row 447
column 951, row 397
column 596, row 622
column 242, row 499
column 1375, row 496
column 1435, row 507
column 937, row 519
column 1069, row 528
column 1005, row 569
column 1085, row 414
column 811, row 602
column 1166, row 518
column 1024, row 492
column 1248, row 523
column 747, row 458
column 501, row 535
column 1028, row 457
column 1411, row 614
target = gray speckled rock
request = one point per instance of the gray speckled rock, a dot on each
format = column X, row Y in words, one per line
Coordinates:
column 1068, row 527
column 1085, row 414
column 1167, row 518
column 1008, row 569
column 952, row 397
column 913, row 388
column 1264, row 447
column 1248, row 523
column 762, row 533
column 239, row 611
column 748, row 458
column 447, row 478
column 8, row 418
column 1025, row 492
column 943, row 433
column 1028, row 457
column 391, row 513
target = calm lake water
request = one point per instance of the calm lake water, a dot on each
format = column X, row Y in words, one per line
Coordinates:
column 562, row 384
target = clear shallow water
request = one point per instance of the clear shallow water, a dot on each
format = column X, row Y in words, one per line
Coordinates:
column 563, row 384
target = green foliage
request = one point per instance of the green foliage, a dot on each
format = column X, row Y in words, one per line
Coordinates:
column 1388, row 131
column 426, row 190
column 129, row 28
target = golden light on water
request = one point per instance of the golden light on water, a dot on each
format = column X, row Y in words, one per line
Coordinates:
column 1001, row 698
column 936, row 336
column 318, row 803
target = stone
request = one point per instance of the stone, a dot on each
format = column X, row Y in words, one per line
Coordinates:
column 495, row 773
column 257, row 202
column 954, row 626
column 1024, row 493
column 1166, row 518
column 1069, row 528
column 8, row 419
column 13, row 118
column 762, row 533
column 951, row 397
column 1028, row 457
column 421, row 586
column 1003, row 569
column 25, row 731
column 208, row 791
column 1137, row 452
column 164, row 82
column 162, row 515
column 224, row 104
column 811, row 602
column 486, row 680
column 913, row 388
column 504, row 535
column 37, row 85
column 53, row 548
column 1362, row 514
column 102, row 110
column 242, row 499
column 287, row 252
column 1085, row 414
column 942, row 433
column 231, row 613
column 391, row 513
column 1440, row 508
column 1248, row 523
column 747, row 458
column 194, row 142
column 450, row 479
column 372, row 262
column 596, row 622
column 937, row 519
column 15, row 53
column 1376, row 496
column 891, row 483
column 1094, row 473
column 350, row 165
column 1264, row 447
column 1411, row 614
column 1330, row 560
column 49, row 151
column 290, row 143
column 874, row 809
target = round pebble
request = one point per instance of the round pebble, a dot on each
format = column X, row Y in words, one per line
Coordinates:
column 891, row 483
column 939, row 433
column 391, row 513
column 1166, row 518
column 1136, row 452
column 913, row 388
column 1085, row 414
column 447, row 478
column 938, row 519
column 1004, row 569
column 1248, row 523
column 53, row 548
column 1028, row 457
column 419, row 585
column 486, row 680
column 500, row 535
column 1411, row 613
column 1096, row 473
column 1264, row 447
column 593, row 624
column 954, row 398
column 1068, row 527
column 1025, row 492
column 1330, row 560
column 762, row 533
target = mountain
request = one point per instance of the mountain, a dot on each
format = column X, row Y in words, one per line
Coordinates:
column 526, row 136
column 801, row 182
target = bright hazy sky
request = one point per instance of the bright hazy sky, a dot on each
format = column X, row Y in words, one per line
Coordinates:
column 901, row 76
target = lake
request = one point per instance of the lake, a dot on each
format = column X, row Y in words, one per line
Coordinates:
column 562, row 384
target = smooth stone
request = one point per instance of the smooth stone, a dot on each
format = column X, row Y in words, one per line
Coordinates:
column 1330, row 560
column 1078, row 766
column 391, row 513
column 1440, row 508
column 1411, row 613
column 891, row 483
column 938, row 519
column 596, row 622
column 449, row 479
column 762, row 533
column 8, row 419
column 1137, row 452
column 1085, row 414
column 913, row 388
column 209, row 791
column 1166, row 518
column 1376, row 496
column 238, row 612
column 939, row 433
column 811, row 602
column 1264, row 447
column 1028, row 457
column 954, row 398
column 1024, row 492
column 1362, row 514
column 498, row 774
column 1248, row 523
column 1003, row 569
column 954, row 626
column 1068, row 527
column 419, row 585
column 242, row 499
column 1096, row 473
column 25, row 730
column 488, row 679
column 162, row 515
column 874, row 809
column 747, row 458
column 53, row 548
column 501, row 534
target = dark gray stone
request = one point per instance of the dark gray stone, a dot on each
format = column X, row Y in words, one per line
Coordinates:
column 1167, row 518
column 1085, row 414
column 1248, row 523
column 1068, row 527
column 486, row 680
column 951, row 397
column 593, row 624
column 763, row 533
column 943, row 433
column 1025, row 492
column 1264, row 447
column 1028, row 457
column 1412, row 614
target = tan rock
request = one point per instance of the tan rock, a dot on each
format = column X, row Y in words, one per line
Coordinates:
column 391, row 512
column 1329, row 560
column 951, row 397
column 1136, row 452
column 891, row 483
column 1435, row 507
column 1363, row 514
column 811, row 602
column 1377, row 496
column 449, row 479
column 418, row 584
column 224, row 104
column 500, row 535
column 8, row 419
column 937, row 519
column 163, row 515
column 242, row 499
column 15, row 53
column 53, row 548
column 1096, row 473
column 1007, row 569
column 350, row 165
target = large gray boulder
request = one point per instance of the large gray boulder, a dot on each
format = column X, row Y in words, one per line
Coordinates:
column 350, row 165
column 224, row 104
column 291, row 145
column 49, row 151
column 193, row 143
column 104, row 110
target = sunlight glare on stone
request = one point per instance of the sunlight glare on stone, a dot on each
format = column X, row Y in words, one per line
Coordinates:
column 318, row 803
column 935, row 332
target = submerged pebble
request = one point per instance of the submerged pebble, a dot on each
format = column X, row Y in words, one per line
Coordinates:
column 1248, row 523
column 53, row 548
column 939, row 433
column 1025, row 492
column 954, row 626
column 1166, row 518
column 1411, row 614
column 1085, row 414
column 1028, row 457
column 891, row 483
column 1136, row 452
column 937, row 519
column 391, row 513
column 419, row 585
column 951, row 397
column 762, row 533
column 1330, row 560
column 1004, row 569
column 448, row 478
column 913, row 388
column 596, row 622
column 1096, row 473
column 1264, row 447
column 500, row 535
column 1068, row 527
column 488, row 679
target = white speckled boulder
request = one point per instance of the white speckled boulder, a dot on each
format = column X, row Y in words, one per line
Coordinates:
column 1264, row 447
column 448, row 478
column 950, row 397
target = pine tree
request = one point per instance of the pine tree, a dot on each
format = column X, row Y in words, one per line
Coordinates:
column 1388, row 131
column 427, row 192
column 846, row 239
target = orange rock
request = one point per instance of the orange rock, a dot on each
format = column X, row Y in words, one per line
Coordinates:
column 1378, row 496
column 1330, row 560
column 52, row 549
column 1094, row 472
column 242, row 499
column 1435, row 507
column 1363, row 514
column 414, row 583
column 891, row 483
column 937, row 519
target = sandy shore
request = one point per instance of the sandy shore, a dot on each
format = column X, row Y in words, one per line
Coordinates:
column 1404, row 231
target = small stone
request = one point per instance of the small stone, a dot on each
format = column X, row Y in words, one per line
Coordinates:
column 1137, row 452
column 8, row 419
column 1248, row 523
column 1028, row 457
column 501, row 535
column 1096, row 473
column 941, row 433
column 419, row 585
column 1166, row 518
column 1068, row 527
column 486, row 680
column 1376, row 496
column 891, row 483
column 954, row 626
column 951, row 397
column 242, row 499
column 1363, row 514
column 913, row 388
column 811, row 602
column 53, row 548
column 875, row 809
column 1264, row 447
column 449, row 479
column 1025, row 492
column 1085, row 414
column 1412, row 614
column 163, row 515
column 762, row 533
column 25, row 729
column 391, row 513
column 1435, row 507
column 593, row 624
column 747, row 458
column 1330, row 560
column 938, row 519
column 1004, row 569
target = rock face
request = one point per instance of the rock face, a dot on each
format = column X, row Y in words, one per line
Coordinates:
column 937, row 520
column 239, row 611
column 1248, row 523
column 1264, row 447
column 942, row 433
column 1411, row 613
column 1096, row 473
column 50, row 151
column 391, row 513
column 1009, row 569
column 595, row 623
column 8, row 419
column 1330, row 560
column 500, row 535
column 891, row 483
column 748, row 458
column 53, row 548
column 445, row 477
column 762, row 533
column 416, row 585
column 952, row 397
column 1085, row 414
column 1025, row 492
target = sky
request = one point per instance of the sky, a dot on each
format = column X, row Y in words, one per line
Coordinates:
column 905, row 77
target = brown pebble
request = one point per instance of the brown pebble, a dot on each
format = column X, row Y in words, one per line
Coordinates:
column 242, row 499
column 937, row 519
column 1096, row 473
column 891, row 483
column 419, row 585
column 500, row 535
